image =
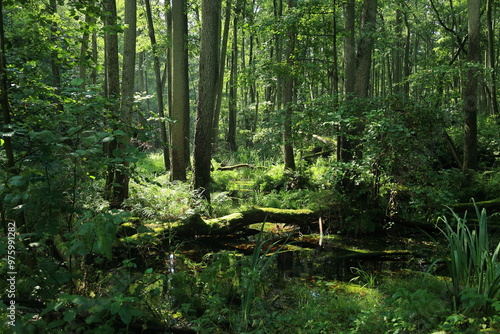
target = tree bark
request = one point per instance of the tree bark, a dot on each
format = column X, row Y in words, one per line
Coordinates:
column 180, row 92
column 233, row 90
column 127, row 95
column 222, row 68
column 470, row 89
column 365, row 48
column 492, row 56
column 84, row 51
column 54, row 62
column 159, row 86
column 6, row 110
column 288, row 97
column 207, row 89
column 343, row 148
column 113, row 192
column 129, row 56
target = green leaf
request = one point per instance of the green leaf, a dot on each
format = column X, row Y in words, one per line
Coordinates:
column 77, row 82
column 125, row 315
column 56, row 323
column 69, row 315
column 2, row 142
column 108, row 139
column 18, row 181
column 115, row 307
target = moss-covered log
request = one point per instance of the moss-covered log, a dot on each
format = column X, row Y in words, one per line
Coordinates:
column 490, row 206
column 236, row 221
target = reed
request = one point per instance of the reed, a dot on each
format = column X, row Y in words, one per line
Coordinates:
column 252, row 272
column 474, row 263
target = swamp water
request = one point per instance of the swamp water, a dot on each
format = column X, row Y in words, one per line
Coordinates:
column 335, row 257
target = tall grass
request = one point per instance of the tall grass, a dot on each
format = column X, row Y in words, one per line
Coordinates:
column 474, row 263
column 252, row 273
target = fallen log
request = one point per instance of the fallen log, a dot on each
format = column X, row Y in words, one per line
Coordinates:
column 236, row 222
column 490, row 206
column 239, row 166
column 323, row 154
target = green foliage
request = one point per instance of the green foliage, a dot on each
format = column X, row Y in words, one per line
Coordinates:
column 473, row 262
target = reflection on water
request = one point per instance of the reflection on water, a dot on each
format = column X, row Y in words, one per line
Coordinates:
column 332, row 262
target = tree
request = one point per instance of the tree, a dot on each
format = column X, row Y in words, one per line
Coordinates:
column 207, row 89
column 288, row 96
column 180, row 92
column 365, row 47
column 492, row 56
column 470, row 90
column 127, row 95
column 222, row 67
column 233, row 89
column 159, row 86
column 357, row 73
column 114, row 189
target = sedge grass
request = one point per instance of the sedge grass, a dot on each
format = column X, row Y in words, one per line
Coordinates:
column 474, row 264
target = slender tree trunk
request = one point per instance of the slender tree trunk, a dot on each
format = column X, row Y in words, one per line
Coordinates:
column 179, row 160
column 407, row 65
column 94, row 55
column 54, row 62
column 6, row 110
column 278, row 15
column 365, row 47
column 288, row 98
column 335, row 72
column 180, row 92
column 222, row 68
column 112, row 92
column 207, row 90
column 398, row 50
column 159, row 86
column 233, row 91
column 492, row 56
column 343, row 147
column 83, row 53
column 470, row 90
column 129, row 56
column 349, row 48
column 121, row 178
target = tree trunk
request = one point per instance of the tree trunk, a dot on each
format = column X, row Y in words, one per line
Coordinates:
column 344, row 148
column 288, row 97
column 94, row 55
column 492, row 57
column 127, row 96
column 233, row 91
column 129, row 56
column 180, row 92
column 365, row 47
column 6, row 110
column 159, row 86
column 407, row 65
column 222, row 68
column 207, row 90
column 398, row 59
column 54, row 57
column 112, row 92
column 470, row 90
column 84, row 51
